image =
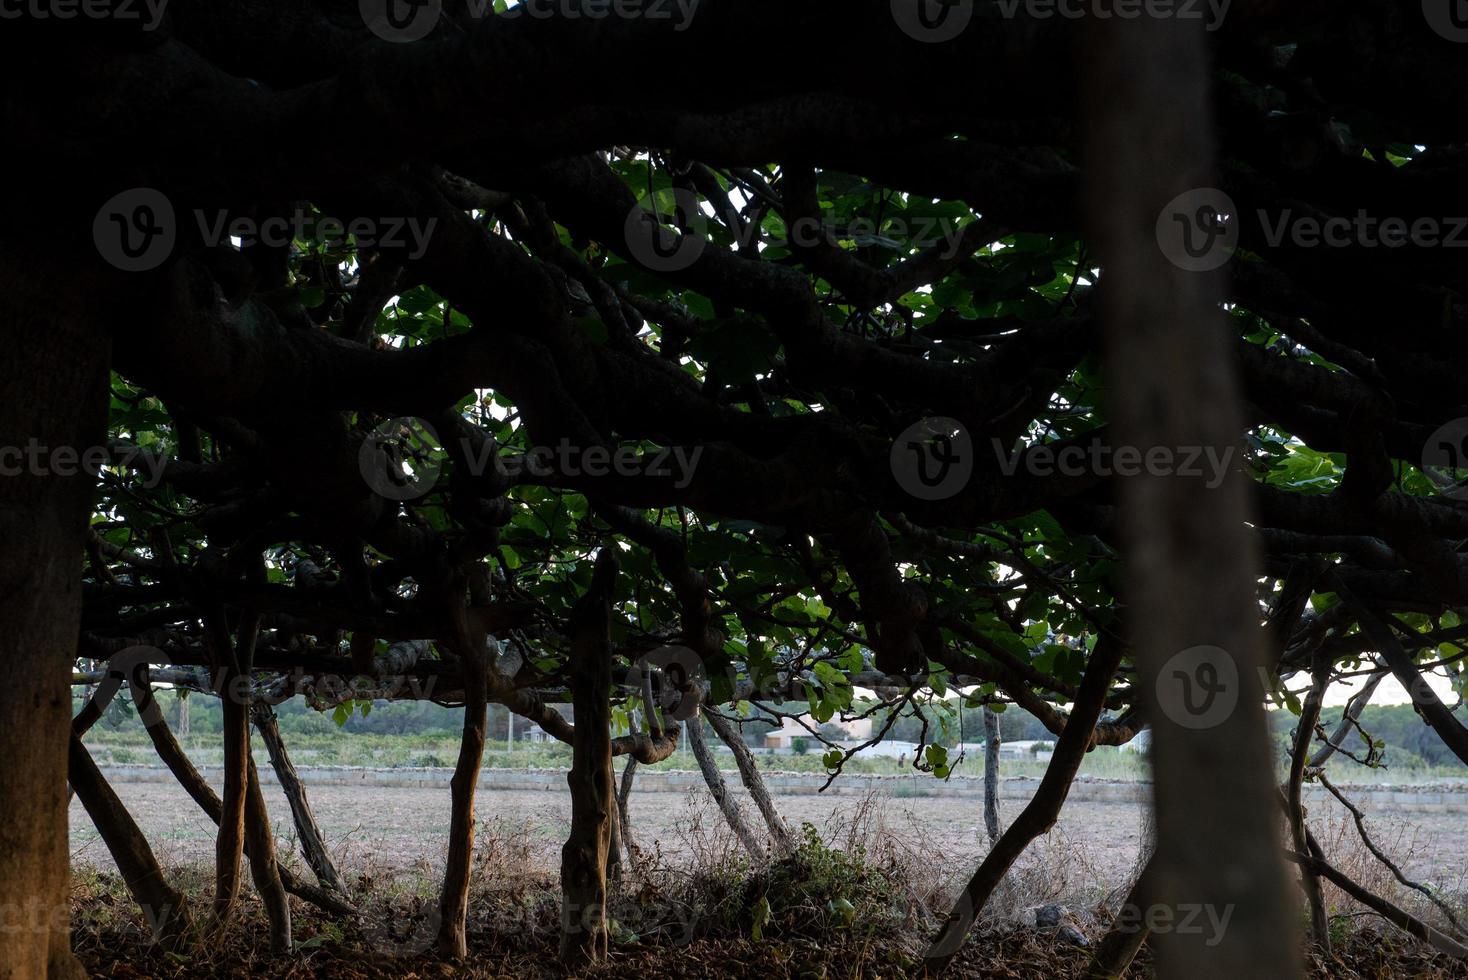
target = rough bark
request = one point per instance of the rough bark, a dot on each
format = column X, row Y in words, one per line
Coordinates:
column 728, row 805
column 453, row 902
column 584, row 856
column 313, row 846
column 203, row 794
column 1191, row 563
column 259, row 841
column 753, row 781
column 164, row 907
column 1040, row 813
column 624, row 793
column 992, row 741
column 54, row 376
column 235, row 723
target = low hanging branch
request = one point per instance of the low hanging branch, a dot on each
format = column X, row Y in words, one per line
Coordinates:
column 720, row 790
column 1040, row 813
column 164, row 906
column 313, row 847
column 753, row 781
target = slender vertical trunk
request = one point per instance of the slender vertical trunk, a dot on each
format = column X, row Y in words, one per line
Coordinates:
column 54, row 376
column 230, row 843
column 1304, row 734
column 183, row 714
column 164, row 907
column 264, row 870
column 1191, row 567
column 453, row 903
column 313, row 847
column 202, row 793
column 584, row 856
column 753, row 781
column 992, row 740
column 718, row 790
column 624, row 793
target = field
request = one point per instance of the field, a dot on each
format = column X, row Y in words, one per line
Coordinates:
column 395, row 829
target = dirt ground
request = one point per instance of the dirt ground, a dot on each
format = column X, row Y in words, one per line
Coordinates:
column 1091, row 851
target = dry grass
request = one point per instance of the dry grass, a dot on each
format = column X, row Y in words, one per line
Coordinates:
column 859, row 900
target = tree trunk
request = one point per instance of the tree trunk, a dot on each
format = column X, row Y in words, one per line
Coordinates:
column 992, row 740
column 1040, row 813
column 453, row 903
column 720, row 792
column 183, row 714
column 753, row 781
column 231, row 666
column 164, row 907
column 1304, row 733
column 264, row 870
column 629, row 772
column 584, row 856
column 55, row 380
column 313, row 847
column 202, row 793
column 1191, row 566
